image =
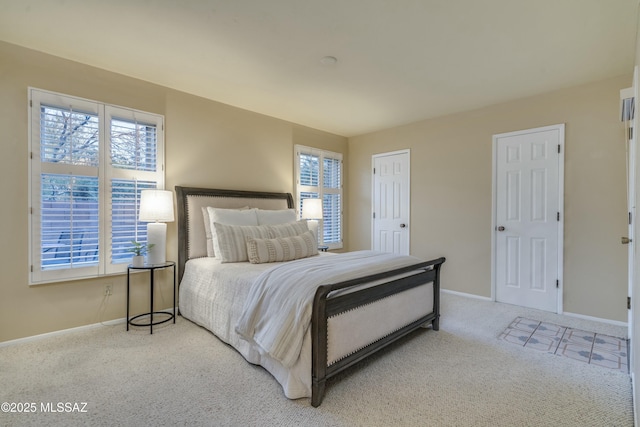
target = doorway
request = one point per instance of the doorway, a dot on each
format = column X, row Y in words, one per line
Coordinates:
column 391, row 202
column 528, row 171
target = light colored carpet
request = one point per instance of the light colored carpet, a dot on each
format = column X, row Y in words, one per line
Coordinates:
column 462, row 375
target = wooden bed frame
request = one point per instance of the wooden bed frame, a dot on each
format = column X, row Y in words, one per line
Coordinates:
column 325, row 305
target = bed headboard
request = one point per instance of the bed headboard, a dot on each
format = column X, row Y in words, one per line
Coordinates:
column 192, row 242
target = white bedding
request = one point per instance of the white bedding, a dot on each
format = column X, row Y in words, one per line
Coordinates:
column 278, row 310
column 214, row 295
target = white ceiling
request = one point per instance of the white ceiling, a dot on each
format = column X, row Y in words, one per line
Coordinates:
column 399, row 61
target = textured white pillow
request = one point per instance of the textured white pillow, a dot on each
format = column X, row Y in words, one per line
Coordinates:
column 207, row 228
column 289, row 229
column 266, row 216
column 207, row 232
column 232, row 240
column 229, row 217
column 281, row 248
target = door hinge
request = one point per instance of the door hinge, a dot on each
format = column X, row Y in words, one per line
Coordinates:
column 374, row 171
column 558, row 148
column 628, row 303
column 630, row 218
column 374, row 215
column 630, row 134
column 557, row 283
column 558, row 216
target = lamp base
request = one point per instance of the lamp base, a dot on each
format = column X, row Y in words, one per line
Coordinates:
column 313, row 225
column 157, row 236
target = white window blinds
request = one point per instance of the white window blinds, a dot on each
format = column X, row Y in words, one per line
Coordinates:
column 133, row 145
column 89, row 162
column 319, row 175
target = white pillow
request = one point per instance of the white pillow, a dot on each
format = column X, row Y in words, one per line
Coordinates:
column 289, row 229
column 232, row 240
column 207, row 232
column 266, row 216
column 229, row 217
column 207, row 228
column 281, row 248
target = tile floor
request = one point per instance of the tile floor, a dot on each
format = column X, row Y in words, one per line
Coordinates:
column 589, row 347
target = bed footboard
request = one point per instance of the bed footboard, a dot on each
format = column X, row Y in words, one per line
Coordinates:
column 326, row 306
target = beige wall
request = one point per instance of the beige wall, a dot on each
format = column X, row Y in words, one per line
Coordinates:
column 214, row 145
column 451, row 191
column 208, row 144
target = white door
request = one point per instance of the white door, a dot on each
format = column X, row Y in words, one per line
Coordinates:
column 391, row 202
column 631, row 195
column 634, row 256
column 528, row 217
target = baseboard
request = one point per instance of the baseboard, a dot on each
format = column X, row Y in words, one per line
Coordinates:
column 579, row 316
column 596, row 319
column 463, row 294
column 69, row 331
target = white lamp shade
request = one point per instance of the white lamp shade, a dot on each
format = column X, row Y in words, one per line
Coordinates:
column 156, row 206
column 311, row 208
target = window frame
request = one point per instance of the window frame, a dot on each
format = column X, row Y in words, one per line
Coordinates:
column 320, row 189
column 104, row 171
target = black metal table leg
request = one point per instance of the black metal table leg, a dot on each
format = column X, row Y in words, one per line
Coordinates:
column 151, row 268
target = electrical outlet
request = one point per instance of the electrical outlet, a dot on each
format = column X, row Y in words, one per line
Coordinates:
column 108, row 289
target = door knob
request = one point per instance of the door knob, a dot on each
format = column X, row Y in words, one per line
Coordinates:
column 626, row 240
column 501, row 228
column 403, row 225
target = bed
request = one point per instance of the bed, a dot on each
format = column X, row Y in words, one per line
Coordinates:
column 349, row 305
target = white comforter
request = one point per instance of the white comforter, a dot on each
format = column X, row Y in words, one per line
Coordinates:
column 278, row 309
column 214, row 295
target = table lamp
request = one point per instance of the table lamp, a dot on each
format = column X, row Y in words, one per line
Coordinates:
column 312, row 212
column 156, row 207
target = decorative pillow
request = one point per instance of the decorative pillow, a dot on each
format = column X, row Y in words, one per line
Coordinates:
column 281, row 248
column 229, row 217
column 207, row 232
column 207, row 228
column 231, row 240
column 290, row 229
column 266, row 216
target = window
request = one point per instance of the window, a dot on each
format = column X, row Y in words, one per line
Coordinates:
column 319, row 175
column 89, row 162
